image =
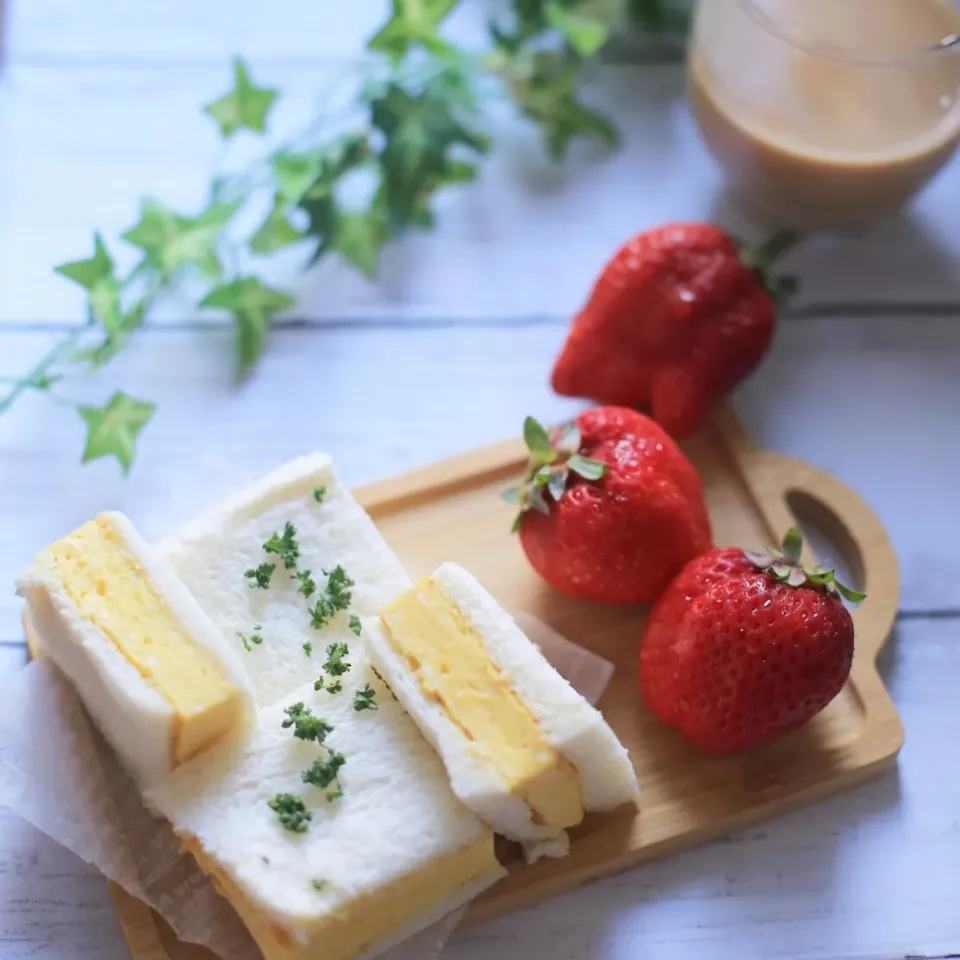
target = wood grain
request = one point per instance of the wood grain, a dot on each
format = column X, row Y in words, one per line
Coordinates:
column 452, row 511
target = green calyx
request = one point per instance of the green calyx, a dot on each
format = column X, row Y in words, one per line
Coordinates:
column 762, row 259
column 552, row 460
column 784, row 564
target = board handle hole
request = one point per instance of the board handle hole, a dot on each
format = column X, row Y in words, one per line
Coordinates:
column 828, row 537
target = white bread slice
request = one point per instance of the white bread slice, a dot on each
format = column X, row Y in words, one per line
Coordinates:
column 212, row 553
column 131, row 710
column 567, row 722
column 395, row 853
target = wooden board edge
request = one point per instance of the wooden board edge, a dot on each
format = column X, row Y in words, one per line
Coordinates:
column 138, row 923
column 492, row 906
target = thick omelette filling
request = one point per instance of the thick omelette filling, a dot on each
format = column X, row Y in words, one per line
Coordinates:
column 453, row 668
column 112, row 590
column 348, row 928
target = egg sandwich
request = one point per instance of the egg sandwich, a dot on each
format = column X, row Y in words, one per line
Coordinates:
column 332, row 830
column 159, row 679
column 285, row 567
column 521, row 747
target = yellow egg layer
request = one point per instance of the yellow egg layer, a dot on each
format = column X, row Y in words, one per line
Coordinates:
column 350, row 928
column 453, row 668
column 112, row 590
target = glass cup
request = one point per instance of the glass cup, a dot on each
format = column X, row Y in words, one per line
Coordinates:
column 826, row 114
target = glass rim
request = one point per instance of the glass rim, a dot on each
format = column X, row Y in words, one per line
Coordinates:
column 950, row 42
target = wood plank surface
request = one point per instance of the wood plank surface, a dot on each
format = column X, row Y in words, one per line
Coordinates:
column 137, row 130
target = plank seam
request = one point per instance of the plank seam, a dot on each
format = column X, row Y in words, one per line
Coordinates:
column 811, row 313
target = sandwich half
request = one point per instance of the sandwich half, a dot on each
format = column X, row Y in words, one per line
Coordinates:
column 522, row 748
column 332, row 830
column 285, row 567
column 153, row 671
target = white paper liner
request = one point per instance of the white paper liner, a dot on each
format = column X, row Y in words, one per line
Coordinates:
column 58, row 774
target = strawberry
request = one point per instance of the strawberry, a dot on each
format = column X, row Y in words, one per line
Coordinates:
column 745, row 647
column 675, row 320
column 610, row 506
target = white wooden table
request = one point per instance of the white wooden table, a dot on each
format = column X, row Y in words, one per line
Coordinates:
column 98, row 105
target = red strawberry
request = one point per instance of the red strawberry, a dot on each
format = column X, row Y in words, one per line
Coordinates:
column 743, row 647
column 676, row 319
column 610, row 507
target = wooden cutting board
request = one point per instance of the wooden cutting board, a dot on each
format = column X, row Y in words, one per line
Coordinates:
column 452, row 511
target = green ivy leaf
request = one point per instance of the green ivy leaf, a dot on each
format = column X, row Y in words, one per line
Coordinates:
column 89, row 273
column 170, row 241
column 276, row 231
column 295, row 173
column 358, row 238
column 657, row 16
column 253, row 305
column 245, row 107
column 586, row 35
column 419, row 130
column 549, row 96
column 413, row 22
column 318, row 201
column 112, row 430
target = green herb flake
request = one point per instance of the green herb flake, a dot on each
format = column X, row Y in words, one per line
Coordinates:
column 318, row 684
column 259, row 577
column 308, row 586
column 305, row 725
column 355, row 624
column 334, row 795
column 255, row 638
column 363, row 699
column 291, row 812
column 321, row 773
column 335, row 665
column 308, row 648
column 285, row 546
column 319, row 493
column 336, row 595
column 318, row 885
column 334, row 687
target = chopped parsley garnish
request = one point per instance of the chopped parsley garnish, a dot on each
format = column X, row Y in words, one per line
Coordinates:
column 324, row 772
column 285, row 546
column 259, row 577
column 334, row 794
column 335, row 665
column 334, row 687
column 254, row 638
column 306, row 725
column 308, row 648
column 335, row 596
column 291, row 812
column 318, row 683
column 318, row 884
column 308, row 586
column 363, row 699
column 355, row 624
column 319, row 493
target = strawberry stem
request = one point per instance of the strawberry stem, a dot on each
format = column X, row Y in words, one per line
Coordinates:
column 784, row 564
column 765, row 255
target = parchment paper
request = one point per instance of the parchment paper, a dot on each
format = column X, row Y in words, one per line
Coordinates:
column 57, row 773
